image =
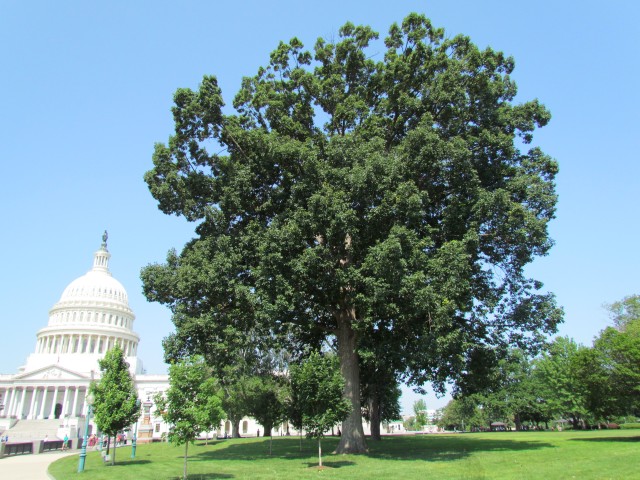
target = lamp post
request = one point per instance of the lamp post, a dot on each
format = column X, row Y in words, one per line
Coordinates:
column 135, row 432
column 83, row 454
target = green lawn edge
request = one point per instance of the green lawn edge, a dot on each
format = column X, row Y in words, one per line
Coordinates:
column 604, row 454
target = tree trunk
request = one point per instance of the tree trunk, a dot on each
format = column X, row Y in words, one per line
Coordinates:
column 235, row 428
column 319, row 452
column 186, row 451
column 113, row 455
column 374, row 414
column 352, row 439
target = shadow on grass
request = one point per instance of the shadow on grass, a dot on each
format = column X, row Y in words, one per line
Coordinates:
column 607, row 439
column 204, row 476
column 427, row 448
column 331, row 464
column 134, row 462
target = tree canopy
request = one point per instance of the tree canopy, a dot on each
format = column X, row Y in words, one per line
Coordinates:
column 355, row 196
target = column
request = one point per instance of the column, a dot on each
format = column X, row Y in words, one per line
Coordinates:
column 43, row 402
column 8, row 400
column 75, row 403
column 22, row 399
column 64, row 401
column 14, row 402
column 30, row 415
column 52, row 411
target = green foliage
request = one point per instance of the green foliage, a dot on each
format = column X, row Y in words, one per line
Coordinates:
column 116, row 405
column 318, row 386
column 618, row 352
column 420, row 411
column 267, row 402
column 191, row 404
column 625, row 311
column 371, row 200
column 559, row 376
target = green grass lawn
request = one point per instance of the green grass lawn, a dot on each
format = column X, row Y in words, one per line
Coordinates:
column 606, row 454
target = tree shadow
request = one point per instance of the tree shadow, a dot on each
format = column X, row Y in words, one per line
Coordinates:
column 425, row 448
column 331, row 464
column 607, row 439
column 449, row 448
column 134, row 462
column 204, row 476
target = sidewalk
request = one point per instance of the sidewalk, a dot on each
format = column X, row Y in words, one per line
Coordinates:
column 30, row 467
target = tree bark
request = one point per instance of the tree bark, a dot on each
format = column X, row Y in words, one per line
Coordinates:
column 319, row 453
column 186, row 451
column 374, row 414
column 352, row 439
column 235, row 428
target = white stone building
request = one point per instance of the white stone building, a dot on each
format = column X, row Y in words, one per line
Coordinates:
column 91, row 316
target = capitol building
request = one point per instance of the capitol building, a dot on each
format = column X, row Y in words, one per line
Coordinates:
column 47, row 395
column 49, row 390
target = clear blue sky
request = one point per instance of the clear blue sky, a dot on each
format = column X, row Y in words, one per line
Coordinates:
column 86, row 90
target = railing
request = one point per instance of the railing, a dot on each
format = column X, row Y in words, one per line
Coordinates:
column 52, row 445
column 18, row 448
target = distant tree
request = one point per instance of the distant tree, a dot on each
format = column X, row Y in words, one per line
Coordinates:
column 461, row 413
column 320, row 387
column 116, row 404
column 267, row 403
column 512, row 393
column 624, row 311
column 420, row 412
column 618, row 375
column 190, row 405
column 561, row 384
column 380, row 394
column 235, row 397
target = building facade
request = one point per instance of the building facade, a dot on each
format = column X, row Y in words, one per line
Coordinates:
column 92, row 316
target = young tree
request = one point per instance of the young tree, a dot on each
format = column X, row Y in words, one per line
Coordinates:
column 190, row 405
column 420, row 412
column 116, row 405
column 356, row 195
column 208, row 410
column 319, row 386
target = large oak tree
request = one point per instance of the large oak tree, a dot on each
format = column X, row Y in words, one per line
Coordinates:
column 354, row 195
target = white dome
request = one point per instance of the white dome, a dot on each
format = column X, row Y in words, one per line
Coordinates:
column 94, row 286
column 92, row 316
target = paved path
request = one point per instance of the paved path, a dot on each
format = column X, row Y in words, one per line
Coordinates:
column 30, row 467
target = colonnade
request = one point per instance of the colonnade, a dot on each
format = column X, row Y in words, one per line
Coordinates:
column 38, row 402
column 84, row 343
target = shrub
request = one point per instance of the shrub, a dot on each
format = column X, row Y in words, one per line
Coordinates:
column 628, row 426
